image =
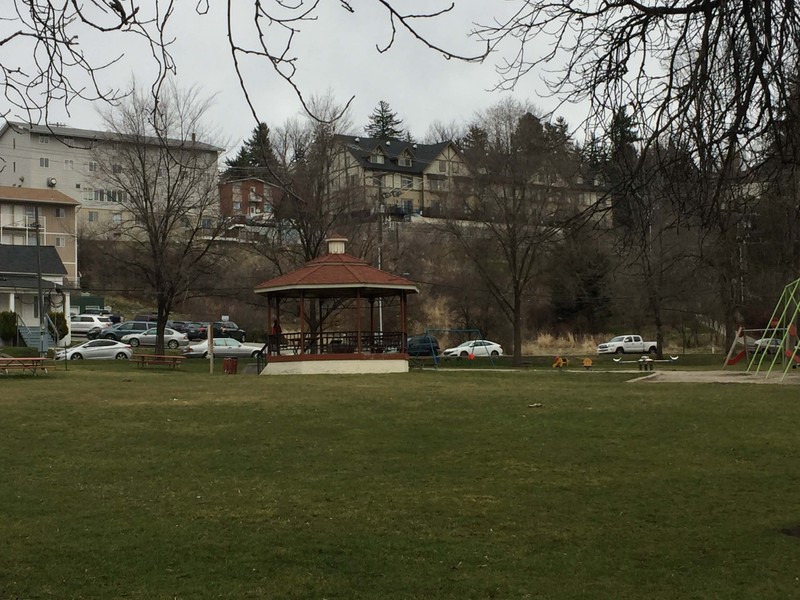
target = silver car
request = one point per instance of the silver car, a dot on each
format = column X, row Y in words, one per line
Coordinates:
column 96, row 349
column 172, row 338
column 223, row 348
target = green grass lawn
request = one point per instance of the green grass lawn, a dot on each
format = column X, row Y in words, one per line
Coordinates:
column 118, row 482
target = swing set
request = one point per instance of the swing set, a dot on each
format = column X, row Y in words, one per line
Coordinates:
column 780, row 335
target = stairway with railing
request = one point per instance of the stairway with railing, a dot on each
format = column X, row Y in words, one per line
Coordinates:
column 32, row 336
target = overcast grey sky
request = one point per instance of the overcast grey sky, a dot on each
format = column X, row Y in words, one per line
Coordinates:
column 337, row 52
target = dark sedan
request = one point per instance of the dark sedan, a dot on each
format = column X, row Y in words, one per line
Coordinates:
column 422, row 345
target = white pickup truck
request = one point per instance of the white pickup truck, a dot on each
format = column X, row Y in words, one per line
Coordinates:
column 627, row 344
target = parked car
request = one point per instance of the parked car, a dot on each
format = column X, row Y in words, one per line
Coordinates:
column 81, row 324
column 172, row 338
column 422, row 345
column 223, row 348
column 197, row 330
column 768, row 345
column 96, row 349
column 476, row 348
column 181, row 326
column 114, row 317
column 627, row 344
column 147, row 317
column 229, row 329
column 117, row 332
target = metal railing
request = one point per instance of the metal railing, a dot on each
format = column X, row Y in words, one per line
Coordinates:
column 337, row 342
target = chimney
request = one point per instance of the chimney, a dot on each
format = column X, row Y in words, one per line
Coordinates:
column 336, row 244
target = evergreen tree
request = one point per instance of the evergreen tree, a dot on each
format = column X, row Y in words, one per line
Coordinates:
column 384, row 124
column 254, row 159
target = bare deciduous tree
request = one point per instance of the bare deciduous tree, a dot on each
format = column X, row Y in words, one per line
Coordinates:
column 165, row 181
column 516, row 210
column 659, row 59
column 48, row 49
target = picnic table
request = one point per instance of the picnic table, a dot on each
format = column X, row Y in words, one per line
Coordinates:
column 171, row 360
column 31, row 364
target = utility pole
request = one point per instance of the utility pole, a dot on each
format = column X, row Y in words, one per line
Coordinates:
column 380, row 250
column 39, row 297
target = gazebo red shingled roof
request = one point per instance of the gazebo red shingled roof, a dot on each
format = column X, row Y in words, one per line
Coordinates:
column 336, row 275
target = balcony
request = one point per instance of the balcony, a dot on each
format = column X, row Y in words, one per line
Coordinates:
column 21, row 222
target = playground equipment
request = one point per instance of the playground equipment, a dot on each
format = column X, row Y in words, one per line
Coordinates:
column 782, row 326
column 645, row 362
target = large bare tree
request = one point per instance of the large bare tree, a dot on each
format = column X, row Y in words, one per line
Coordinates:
column 165, row 181
column 521, row 167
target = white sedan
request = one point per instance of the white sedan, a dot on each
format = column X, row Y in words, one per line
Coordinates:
column 223, row 348
column 475, row 348
column 96, row 349
column 172, row 338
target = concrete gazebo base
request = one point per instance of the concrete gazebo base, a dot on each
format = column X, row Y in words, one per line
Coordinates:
column 335, row 366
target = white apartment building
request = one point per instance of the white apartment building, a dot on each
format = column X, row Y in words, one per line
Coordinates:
column 65, row 159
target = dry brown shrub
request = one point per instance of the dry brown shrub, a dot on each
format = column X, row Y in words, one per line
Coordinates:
column 569, row 344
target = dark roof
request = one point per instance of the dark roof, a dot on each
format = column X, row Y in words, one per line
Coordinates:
column 421, row 155
column 21, row 260
column 63, row 131
column 24, row 282
column 336, row 275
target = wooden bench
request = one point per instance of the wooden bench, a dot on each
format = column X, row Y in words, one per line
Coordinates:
column 171, row 360
column 23, row 364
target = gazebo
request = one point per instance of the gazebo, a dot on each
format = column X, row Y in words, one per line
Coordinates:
column 328, row 287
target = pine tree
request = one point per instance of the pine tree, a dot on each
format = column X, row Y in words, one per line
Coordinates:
column 254, row 159
column 385, row 125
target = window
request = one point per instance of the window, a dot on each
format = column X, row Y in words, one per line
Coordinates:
column 60, row 242
column 88, row 194
column 99, row 196
column 456, row 168
column 406, row 182
column 437, row 185
column 237, row 205
column 94, row 216
column 116, row 169
column 44, row 162
column 442, row 166
column 68, row 141
column 377, row 180
column 116, row 218
column 44, row 139
column 92, row 166
column 61, row 213
column 69, row 165
column 377, row 158
column 115, row 196
column 404, row 161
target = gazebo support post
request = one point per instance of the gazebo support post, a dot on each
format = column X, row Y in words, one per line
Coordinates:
column 372, row 319
column 270, row 341
column 319, row 325
column 302, row 324
column 403, row 332
column 358, row 322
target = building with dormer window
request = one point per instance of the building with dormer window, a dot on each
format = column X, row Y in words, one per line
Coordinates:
column 401, row 177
